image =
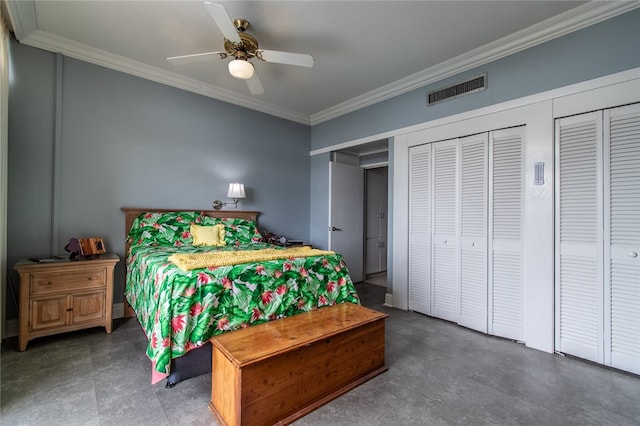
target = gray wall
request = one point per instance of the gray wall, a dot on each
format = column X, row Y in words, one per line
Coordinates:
column 124, row 141
column 601, row 49
column 85, row 141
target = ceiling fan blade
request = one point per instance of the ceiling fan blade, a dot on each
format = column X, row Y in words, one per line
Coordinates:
column 195, row 57
column 223, row 21
column 255, row 85
column 288, row 58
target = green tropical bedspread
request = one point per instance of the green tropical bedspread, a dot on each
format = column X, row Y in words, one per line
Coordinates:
column 180, row 310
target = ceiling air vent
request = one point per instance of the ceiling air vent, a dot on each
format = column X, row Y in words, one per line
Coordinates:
column 470, row 86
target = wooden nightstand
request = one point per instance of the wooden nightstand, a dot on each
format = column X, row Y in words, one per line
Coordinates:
column 65, row 295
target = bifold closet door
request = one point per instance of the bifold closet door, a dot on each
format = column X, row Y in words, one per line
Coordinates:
column 465, row 215
column 506, row 194
column 420, row 229
column 598, row 237
column 622, row 237
column 579, row 249
column 474, row 165
column 444, row 254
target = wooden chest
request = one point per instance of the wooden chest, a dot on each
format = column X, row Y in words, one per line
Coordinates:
column 276, row 372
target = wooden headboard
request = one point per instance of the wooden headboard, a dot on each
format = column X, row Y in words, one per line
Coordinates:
column 131, row 213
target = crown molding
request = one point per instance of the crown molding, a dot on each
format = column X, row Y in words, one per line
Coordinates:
column 72, row 49
column 557, row 26
column 23, row 17
column 24, row 21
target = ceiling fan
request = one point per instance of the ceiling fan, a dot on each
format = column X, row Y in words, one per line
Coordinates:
column 242, row 47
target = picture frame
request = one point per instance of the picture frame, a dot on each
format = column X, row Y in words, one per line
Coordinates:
column 91, row 246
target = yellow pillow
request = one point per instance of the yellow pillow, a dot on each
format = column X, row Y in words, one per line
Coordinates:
column 208, row 235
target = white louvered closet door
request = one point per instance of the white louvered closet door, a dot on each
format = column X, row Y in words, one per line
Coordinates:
column 506, row 288
column 579, row 248
column 622, row 237
column 420, row 229
column 474, row 166
column 444, row 282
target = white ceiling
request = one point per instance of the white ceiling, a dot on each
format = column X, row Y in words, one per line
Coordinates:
column 364, row 51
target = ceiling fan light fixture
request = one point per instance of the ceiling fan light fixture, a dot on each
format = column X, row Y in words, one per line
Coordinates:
column 239, row 68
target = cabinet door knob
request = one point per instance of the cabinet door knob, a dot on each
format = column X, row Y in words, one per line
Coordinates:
column 633, row 254
column 444, row 241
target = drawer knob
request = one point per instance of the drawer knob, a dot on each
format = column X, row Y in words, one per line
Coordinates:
column 633, row 254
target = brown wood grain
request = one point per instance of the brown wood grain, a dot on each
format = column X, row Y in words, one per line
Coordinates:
column 65, row 295
column 279, row 371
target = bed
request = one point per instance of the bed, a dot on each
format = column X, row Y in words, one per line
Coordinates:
column 191, row 275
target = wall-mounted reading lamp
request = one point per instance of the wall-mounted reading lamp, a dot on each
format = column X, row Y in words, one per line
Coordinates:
column 236, row 191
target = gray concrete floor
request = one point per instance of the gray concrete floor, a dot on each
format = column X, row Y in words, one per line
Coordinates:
column 439, row 374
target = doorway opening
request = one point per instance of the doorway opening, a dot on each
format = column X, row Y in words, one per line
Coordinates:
column 373, row 158
column 375, row 233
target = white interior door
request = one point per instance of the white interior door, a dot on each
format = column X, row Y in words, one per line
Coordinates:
column 444, row 265
column 622, row 237
column 466, row 216
column 598, row 237
column 579, row 235
column 376, row 220
column 474, row 165
column 346, row 215
column 420, row 229
column 506, row 195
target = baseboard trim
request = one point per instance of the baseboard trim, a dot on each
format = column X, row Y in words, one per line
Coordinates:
column 388, row 300
column 12, row 328
column 12, row 324
column 118, row 310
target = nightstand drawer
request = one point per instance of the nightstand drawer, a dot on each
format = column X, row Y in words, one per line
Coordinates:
column 52, row 282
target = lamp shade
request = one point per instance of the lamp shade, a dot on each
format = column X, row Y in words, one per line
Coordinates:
column 236, row 190
column 240, row 68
